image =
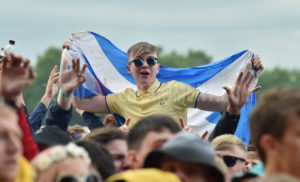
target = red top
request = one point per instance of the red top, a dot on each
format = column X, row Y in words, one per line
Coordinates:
column 30, row 149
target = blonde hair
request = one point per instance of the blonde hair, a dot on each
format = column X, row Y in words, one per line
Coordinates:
column 141, row 48
column 226, row 142
column 221, row 165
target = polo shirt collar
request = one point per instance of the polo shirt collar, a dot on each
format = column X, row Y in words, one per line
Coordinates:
column 152, row 89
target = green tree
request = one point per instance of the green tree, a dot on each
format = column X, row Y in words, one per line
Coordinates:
column 174, row 59
column 279, row 77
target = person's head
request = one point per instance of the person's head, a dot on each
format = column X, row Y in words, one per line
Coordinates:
column 110, row 121
column 76, row 132
column 149, row 134
column 252, row 159
column 64, row 163
column 51, row 136
column 10, row 144
column 143, row 64
column 187, row 156
column 114, row 140
column 275, row 128
column 101, row 159
column 233, row 152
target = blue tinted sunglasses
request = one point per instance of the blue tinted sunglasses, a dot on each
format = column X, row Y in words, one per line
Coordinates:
column 138, row 62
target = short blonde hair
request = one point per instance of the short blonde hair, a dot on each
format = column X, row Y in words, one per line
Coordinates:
column 141, row 48
column 227, row 141
column 220, row 164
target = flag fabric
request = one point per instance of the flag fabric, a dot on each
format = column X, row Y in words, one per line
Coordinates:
column 106, row 73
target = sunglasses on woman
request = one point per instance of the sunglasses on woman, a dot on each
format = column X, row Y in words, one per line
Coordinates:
column 138, row 62
column 73, row 178
column 231, row 160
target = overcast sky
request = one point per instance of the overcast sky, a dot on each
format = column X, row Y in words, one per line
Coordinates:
column 271, row 28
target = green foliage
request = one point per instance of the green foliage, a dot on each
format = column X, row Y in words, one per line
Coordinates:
column 278, row 77
column 174, row 59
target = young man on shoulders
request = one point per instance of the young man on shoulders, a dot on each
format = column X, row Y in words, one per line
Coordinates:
column 152, row 97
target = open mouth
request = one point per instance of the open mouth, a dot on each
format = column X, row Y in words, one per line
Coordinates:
column 145, row 73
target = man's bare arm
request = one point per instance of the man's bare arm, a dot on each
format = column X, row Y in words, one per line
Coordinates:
column 238, row 95
column 210, row 102
column 92, row 104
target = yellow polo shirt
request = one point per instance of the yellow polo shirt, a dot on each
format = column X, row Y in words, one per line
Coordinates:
column 171, row 98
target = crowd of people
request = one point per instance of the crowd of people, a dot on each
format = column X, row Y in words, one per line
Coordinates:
column 155, row 143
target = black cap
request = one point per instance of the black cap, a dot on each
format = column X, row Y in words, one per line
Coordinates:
column 12, row 42
column 52, row 135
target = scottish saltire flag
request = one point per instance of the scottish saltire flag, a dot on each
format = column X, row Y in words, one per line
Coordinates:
column 106, row 73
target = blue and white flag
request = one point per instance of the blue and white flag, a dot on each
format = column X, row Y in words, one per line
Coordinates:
column 106, row 73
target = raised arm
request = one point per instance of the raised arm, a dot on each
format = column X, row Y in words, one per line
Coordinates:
column 70, row 81
column 52, row 87
column 219, row 103
column 16, row 76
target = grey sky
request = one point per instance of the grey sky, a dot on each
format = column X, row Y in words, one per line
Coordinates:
column 271, row 28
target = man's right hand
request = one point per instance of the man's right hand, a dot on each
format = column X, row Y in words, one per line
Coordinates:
column 72, row 78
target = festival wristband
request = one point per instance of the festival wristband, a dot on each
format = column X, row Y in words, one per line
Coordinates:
column 64, row 94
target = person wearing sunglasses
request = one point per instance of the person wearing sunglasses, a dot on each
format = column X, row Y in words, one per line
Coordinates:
column 233, row 152
column 69, row 163
column 151, row 97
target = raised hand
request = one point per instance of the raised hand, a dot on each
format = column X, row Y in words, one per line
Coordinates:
column 52, row 87
column 125, row 126
column 53, row 83
column 16, row 76
column 256, row 62
column 189, row 129
column 66, row 43
column 72, row 78
column 239, row 94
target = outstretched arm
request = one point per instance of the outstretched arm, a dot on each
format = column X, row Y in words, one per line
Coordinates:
column 237, row 94
column 219, row 103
